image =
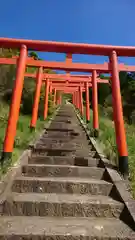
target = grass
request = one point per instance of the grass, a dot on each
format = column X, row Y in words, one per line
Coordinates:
column 107, row 142
column 23, row 134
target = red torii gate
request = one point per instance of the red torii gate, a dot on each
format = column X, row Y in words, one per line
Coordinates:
column 70, row 48
column 79, row 81
column 74, row 90
column 71, row 90
column 79, row 101
column 79, row 88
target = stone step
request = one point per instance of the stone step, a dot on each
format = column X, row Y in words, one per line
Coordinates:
column 51, row 129
column 59, row 140
column 73, row 131
column 41, row 170
column 65, row 121
column 63, row 115
column 45, row 228
column 62, row 185
column 53, row 151
column 64, row 160
column 61, row 205
column 65, row 124
column 59, row 118
column 61, row 147
column 67, row 146
column 64, row 148
column 45, row 139
column 71, row 138
column 55, row 134
column 58, row 153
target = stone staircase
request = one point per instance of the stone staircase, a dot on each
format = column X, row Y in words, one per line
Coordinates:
column 61, row 192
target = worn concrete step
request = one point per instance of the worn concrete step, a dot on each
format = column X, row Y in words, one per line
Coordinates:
column 58, row 149
column 63, row 128
column 63, row 118
column 66, row 121
column 64, row 160
column 53, row 151
column 45, row 139
column 45, row 228
column 58, row 153
column 56, row 160
column 61, row 205
column 55, row 134
column 63, row 125
column 74, row 132
column 77, row 134
column 61, row 185
column 48, row 139
column 61, row 146
column 69, row 140
column 41, row 170
column 63, row 115
column 66, row 146
column 51, row 129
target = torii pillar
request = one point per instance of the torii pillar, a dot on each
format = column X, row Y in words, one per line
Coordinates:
column 77, row 100
column 46, row 99
column 81, row 100
column 54, row 97
column 118, row 117
column 50, row 88
column 73, row 98
column 87, row 102
column 95, row 104
column 15, row 106
column 36, row 99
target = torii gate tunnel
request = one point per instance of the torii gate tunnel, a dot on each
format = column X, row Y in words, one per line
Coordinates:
column 111, row 67
column 71, row 81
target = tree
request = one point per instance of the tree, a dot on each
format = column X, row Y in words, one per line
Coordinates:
column 104, row 91
column 34, row 55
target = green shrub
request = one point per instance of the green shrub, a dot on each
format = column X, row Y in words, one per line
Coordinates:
column 109, row 112
column 28, row 96
column 27, row 103
column 7, row 96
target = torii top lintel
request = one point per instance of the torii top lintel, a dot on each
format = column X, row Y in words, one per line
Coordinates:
column 66, row 47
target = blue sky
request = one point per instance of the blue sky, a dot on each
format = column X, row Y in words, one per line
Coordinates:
column 87, row 21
